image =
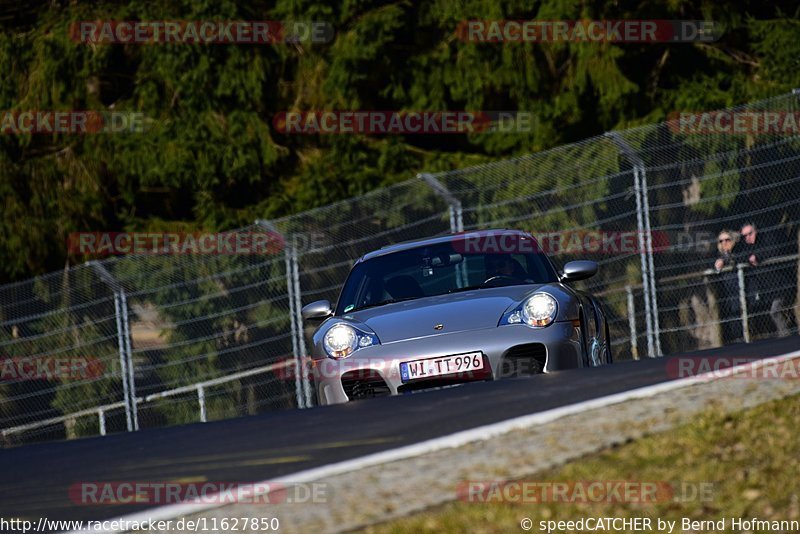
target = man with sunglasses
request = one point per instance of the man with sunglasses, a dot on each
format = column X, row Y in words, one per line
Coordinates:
column 728, row 293
column 769, row 287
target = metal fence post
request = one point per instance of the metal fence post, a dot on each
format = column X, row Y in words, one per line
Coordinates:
column 123, row 345
column 652, row 271
column 743, row 303
column 126, row 329
column 632, row 323
column 294, row 311
column 301, row 342
column 123, row 365
column 101, row 416
column 201, row 400
column 298, row 379
column 645, row 244
column 455, row 212
column 648, row 300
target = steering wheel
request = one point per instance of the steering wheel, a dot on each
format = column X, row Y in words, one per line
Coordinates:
column 497, row 278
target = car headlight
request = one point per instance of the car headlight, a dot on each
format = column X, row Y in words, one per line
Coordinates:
column 539, row 310
column 341, row 340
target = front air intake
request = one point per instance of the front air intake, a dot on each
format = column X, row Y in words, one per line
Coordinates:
column 524, row 360
column 364, row 384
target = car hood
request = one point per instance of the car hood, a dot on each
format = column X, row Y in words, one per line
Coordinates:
column 468, row 310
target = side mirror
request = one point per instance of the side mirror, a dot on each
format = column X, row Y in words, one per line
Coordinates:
column 578, row 270
column 319, row 309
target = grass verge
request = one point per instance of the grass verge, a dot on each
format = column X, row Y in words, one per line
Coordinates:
column 740, row 465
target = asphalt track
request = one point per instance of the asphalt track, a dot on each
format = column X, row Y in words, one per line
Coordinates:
column 36, row 478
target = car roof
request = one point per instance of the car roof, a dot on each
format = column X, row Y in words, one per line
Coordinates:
column 406, row 245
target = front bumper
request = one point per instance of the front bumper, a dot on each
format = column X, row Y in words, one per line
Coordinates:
column 560, row 344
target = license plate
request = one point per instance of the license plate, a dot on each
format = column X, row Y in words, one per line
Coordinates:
column 444, row 365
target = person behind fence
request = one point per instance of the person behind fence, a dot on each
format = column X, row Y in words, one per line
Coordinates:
column 769, row 289
column 729, row 309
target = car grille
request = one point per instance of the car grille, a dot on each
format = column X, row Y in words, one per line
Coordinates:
column 363, row 384
column 524, row 360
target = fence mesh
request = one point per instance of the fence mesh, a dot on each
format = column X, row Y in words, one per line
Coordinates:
column 215, row 336
column 701, row 184
column 59, row 318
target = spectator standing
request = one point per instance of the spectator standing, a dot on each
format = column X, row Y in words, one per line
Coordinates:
column 725, row 265
column 768, row 288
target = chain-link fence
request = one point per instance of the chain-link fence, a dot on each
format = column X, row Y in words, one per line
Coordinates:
column 159, row 339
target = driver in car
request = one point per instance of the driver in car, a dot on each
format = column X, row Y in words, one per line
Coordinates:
column 503, row 265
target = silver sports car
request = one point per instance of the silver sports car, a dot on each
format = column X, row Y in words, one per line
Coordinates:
column 448, row 310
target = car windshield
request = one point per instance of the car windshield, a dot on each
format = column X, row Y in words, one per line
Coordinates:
column 436, row 270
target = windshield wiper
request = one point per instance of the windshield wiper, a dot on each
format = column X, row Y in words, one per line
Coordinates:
column 468, row 288
column 483, row 286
